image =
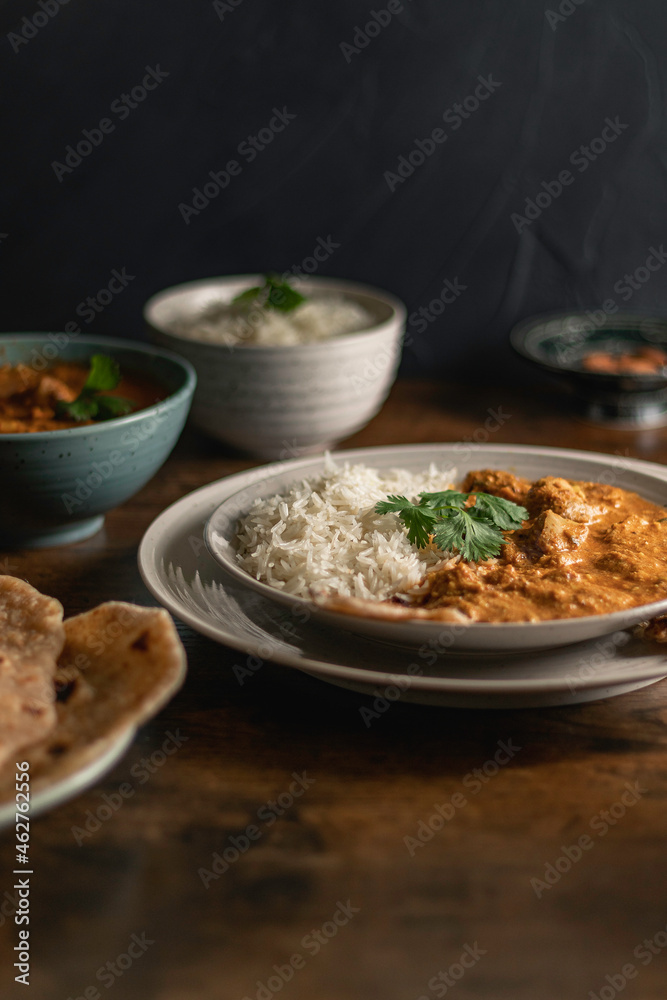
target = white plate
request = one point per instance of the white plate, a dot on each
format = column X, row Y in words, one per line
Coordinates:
column 54, row 795
column 531, row 463
column 179, row 571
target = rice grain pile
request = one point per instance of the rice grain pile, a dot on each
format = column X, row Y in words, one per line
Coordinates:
column 324, row 537
column 318, row 318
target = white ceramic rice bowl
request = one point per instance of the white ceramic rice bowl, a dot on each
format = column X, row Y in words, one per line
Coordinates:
column 281, row 402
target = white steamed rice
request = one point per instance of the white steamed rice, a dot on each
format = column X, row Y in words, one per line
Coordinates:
column 318, row 318
column 323, row 536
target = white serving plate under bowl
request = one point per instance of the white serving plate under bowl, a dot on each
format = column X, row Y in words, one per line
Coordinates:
column 182, row 575
column 649, row 481
column 281, row 402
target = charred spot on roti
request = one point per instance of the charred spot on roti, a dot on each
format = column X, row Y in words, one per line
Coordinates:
column 64, row 690
column 141, row 642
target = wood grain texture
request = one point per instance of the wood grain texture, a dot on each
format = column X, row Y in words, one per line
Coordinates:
column 343, row 838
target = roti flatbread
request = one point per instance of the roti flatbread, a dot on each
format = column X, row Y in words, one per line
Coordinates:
column 119, row 665
column 31, row 639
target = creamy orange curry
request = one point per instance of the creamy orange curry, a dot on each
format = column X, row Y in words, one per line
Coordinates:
column 587, row 549
column 28, row 398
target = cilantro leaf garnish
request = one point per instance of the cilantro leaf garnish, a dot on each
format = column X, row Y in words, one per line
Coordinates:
column 248, row 296
column 283, row 297
column 112, row 406
column 104, row 375
column 420, row 521
column 452, row 523
column 447, row 498
column 273, row 294
column 504, row 513
column 82, row 408
column 476, row 538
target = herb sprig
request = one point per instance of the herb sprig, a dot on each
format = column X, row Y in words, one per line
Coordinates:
column 104, row 375
column 273, row 294
column 452, row 523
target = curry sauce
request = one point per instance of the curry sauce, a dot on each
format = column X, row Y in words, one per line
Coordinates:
column 587, row 549
column 28, row 398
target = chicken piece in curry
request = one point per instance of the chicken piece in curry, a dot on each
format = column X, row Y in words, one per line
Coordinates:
column 587, row 549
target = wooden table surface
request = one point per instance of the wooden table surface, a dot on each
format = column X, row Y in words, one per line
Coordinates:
column 330, row 901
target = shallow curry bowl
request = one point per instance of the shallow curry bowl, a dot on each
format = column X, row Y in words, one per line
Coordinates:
column 57, row 485
column 283, row 401
column 644, row 478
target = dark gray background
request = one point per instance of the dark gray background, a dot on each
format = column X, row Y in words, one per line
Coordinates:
column 324, row 175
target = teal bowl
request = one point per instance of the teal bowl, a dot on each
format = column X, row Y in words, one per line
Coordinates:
column 58, row 485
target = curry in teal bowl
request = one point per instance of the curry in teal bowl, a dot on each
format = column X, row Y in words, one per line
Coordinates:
column 85, row 422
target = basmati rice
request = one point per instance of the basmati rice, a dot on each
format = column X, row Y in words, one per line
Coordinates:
column 318, row 318
column 324, row 537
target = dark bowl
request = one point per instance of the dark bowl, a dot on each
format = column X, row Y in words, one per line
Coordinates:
column 558, row 342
